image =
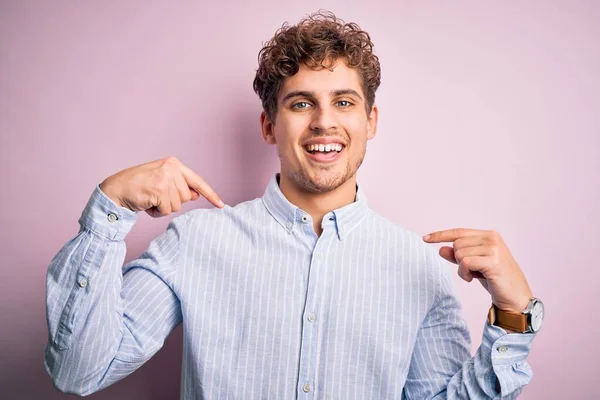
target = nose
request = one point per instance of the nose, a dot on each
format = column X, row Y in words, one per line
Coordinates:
column 323, row 120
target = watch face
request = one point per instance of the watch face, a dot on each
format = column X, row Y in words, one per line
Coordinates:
column 537, row 316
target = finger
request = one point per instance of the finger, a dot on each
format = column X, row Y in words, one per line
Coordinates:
column 185, row 193
column 465, row 273
column 469, row 275
column 195, row 182
column 164, row 205
column 450, row 235
column 476, row 263
column 473, row 251
column 469, row 241
column 195, row 195
column 174, row 197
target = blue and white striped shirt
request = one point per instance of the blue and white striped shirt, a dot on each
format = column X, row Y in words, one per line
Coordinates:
column 269, row 309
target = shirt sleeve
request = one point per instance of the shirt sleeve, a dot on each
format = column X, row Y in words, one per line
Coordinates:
column 105, row 319
column 442, row 366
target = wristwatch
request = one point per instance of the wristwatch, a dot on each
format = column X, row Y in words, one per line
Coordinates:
column 527, row 321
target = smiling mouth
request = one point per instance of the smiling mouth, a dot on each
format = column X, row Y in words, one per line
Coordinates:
column 324, row 148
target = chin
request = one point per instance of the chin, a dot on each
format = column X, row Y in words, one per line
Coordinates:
column 320, row 181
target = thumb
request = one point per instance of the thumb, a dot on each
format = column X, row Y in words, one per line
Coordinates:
column 447, row 253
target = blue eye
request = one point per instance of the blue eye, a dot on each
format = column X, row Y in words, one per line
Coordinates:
column 299, row 103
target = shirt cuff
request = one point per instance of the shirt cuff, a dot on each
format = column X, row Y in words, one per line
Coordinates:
column 106, row 218
column 508, row 353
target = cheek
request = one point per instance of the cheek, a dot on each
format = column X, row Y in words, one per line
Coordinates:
column 358, row 129
column 286, row 144
column 288, row 133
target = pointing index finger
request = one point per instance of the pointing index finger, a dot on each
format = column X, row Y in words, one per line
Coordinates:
column 198, row 184
column 449, row 235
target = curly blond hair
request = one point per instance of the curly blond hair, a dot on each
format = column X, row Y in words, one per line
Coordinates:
column 318, row 41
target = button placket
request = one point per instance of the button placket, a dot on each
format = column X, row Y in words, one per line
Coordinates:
column 310, row 326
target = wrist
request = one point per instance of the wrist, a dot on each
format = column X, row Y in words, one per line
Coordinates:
column 109, row 191
column 516, row 306
column 527, row 320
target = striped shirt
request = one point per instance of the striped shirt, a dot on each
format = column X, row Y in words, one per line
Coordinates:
column 269, row 309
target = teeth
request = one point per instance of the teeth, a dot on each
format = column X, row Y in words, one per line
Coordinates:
column 325, row 147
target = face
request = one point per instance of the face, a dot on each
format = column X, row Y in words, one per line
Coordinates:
column 321, row 127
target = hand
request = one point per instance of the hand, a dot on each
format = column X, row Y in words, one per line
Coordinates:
column 159, row 187
column 484, row 255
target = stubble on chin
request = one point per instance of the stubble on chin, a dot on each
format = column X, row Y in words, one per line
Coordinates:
column 324, row 183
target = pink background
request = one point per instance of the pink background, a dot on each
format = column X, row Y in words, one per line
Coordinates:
column 490, row 118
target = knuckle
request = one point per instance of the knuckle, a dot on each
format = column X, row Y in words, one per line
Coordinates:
column 458, row 254
column 494, row 252
column 496, row 261
column 164, row 211
column 186, row 196
column 494, row 237
column 170, row 160
column 161, row 180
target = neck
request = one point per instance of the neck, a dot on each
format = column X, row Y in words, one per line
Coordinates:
column 318, row 204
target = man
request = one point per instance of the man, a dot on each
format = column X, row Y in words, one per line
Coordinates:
column 303, row 293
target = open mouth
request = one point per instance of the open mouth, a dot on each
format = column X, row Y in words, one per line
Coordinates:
column 324, row 153
column 324, row 148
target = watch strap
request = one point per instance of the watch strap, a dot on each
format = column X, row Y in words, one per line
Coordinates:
column 507, row 320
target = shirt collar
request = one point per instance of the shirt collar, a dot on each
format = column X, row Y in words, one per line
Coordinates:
column 345, row 219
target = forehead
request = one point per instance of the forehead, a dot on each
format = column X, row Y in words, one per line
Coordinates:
column 322, row 81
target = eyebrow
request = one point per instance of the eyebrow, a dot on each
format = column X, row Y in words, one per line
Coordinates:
column 311, row 95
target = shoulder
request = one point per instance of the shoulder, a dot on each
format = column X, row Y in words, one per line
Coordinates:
column 411, row 254
column 212, row 219
column 409, row 245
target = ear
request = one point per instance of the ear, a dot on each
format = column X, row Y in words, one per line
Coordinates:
column 267, row 128
column 372, row 122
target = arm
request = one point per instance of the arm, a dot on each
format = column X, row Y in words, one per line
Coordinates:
column 105, row 319
column 442, row 367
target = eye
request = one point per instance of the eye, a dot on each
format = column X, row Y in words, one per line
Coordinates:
column 344, row 103
column 301, row 105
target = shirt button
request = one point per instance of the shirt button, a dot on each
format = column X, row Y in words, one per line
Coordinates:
column 306, row 387
column 318, row 256
column 312, row 317
column 83, row 283
column 289, row 225
column 502, row 349
column 112, row 217
column 304, row 218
